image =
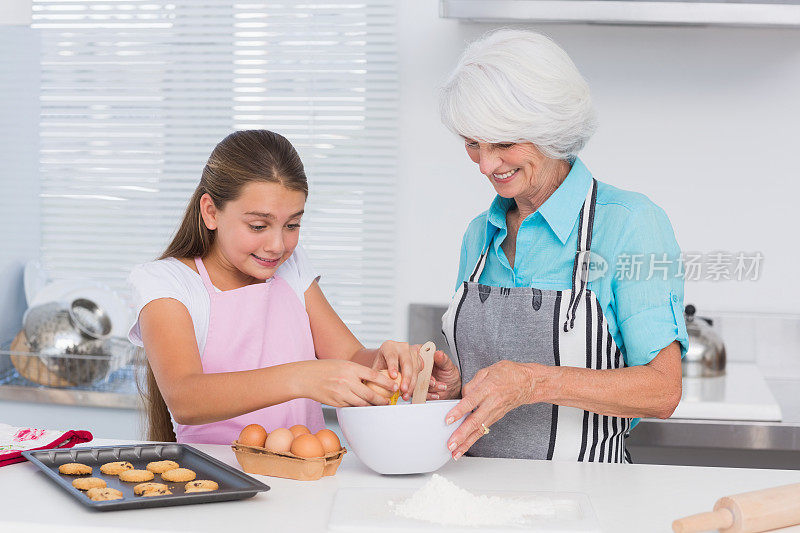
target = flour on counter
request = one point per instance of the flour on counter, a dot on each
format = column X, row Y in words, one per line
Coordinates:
column 442, row 502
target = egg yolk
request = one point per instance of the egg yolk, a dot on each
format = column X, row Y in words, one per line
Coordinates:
column 393, row 399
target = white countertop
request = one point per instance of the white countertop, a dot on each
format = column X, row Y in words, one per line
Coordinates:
column 626, row 498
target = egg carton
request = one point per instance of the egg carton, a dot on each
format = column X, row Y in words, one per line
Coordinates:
column 257, row 460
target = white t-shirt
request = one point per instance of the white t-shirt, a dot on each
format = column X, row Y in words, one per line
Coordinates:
column 170, row 278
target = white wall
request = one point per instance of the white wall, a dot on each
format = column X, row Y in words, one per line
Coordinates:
column 19, row 182
column 704, row 120
column 16, row 12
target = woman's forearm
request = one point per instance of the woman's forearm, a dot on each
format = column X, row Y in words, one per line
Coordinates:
column 204, row 398
column 638, row 391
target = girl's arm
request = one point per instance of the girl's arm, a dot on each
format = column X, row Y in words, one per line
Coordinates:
column 334, row 340
column 194, row 397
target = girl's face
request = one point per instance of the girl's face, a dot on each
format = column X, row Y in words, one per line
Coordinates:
column 258, row 231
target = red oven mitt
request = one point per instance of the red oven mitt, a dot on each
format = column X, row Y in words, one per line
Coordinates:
column 15, row 440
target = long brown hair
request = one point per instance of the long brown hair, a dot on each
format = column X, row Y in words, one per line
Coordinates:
column 240, row 158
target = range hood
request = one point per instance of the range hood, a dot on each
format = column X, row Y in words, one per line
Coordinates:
column 777, row 13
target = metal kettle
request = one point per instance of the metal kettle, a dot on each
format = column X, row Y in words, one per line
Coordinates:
column 706, row 354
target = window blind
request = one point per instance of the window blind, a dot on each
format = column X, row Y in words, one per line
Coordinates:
column 136, row 93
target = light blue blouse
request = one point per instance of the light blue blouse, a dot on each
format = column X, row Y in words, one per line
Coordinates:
column 641, row 293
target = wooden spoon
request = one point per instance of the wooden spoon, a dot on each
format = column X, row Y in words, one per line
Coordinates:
column 420, row 394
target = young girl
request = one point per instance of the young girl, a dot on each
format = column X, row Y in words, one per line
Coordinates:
column 235, row 327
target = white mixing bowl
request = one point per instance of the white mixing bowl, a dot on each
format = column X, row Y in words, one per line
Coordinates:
column 399, row 439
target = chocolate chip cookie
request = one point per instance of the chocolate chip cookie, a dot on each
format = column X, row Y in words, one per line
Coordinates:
column 86, row 483
column 201, row 485
column 178, row 475
column 75, row 469
column 142, row 489
column 104, row 494
column 116, row 468
column 136, row 476
column 159, row 467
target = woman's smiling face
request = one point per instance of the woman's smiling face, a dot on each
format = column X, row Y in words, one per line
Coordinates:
column 259, row 230
column 513, row 169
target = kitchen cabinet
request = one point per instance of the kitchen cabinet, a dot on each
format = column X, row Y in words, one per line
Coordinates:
column 119, row 423
column 112, row 408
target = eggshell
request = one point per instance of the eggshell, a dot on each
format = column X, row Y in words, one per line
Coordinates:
column 380, row 390
column 252, row 435
column 299, row 429
column 307, row 445
column 279, row 441
column 329, row 440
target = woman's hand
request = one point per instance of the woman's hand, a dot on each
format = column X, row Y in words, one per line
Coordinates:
column 494, row 391
column 340, row 383
column 400, row 356
column 445, row 378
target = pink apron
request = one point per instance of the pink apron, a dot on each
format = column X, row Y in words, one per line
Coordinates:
column 251, row 327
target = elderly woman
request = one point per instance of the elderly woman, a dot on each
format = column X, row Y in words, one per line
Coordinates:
column 559, row 347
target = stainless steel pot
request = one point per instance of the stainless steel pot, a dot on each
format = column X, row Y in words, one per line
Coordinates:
column 70, row 339
column 706, row 354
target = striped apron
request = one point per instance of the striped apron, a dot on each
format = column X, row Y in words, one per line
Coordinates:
column 485, row 324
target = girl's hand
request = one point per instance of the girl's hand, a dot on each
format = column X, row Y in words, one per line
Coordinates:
column 402, row 357
column 494, row 391
column 340, row 383
column 445, row 378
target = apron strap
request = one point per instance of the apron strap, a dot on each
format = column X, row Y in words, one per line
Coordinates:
column 580, row 267
column 476, row 274
column 201, row 269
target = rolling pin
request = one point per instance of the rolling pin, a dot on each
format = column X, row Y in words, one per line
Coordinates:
column 749, row 512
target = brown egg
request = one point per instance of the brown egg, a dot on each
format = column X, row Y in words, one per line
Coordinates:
column 253, row 435
column 329, row 440
column 299, row 429
column 307, row 445
column 279, row 441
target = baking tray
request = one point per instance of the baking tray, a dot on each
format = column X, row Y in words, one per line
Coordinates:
column 233, row 484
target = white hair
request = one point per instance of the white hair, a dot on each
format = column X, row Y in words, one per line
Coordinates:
column 519, row 86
